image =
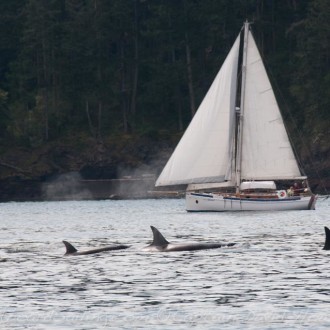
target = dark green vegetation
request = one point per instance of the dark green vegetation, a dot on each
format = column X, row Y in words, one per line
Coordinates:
column 96, row 85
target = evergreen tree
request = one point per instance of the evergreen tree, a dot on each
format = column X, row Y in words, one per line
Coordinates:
column 312, row 80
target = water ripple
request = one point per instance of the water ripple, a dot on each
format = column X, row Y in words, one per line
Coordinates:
column 275, row 277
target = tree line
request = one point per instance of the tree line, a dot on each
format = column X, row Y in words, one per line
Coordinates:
column 102, row 67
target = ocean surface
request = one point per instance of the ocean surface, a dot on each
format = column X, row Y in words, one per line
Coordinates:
column 276, row 277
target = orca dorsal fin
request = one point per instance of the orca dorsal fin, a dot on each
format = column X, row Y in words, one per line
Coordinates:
column 327, row 239
column 69, row 248
column 159, row 239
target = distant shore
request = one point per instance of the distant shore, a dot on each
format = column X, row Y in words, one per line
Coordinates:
column 70, row 187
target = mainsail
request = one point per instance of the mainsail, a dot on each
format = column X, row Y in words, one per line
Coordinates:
column 205, row 150
column 266, row 150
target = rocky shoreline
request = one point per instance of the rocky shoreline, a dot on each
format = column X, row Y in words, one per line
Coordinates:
column 125, row 168
column 70, row 186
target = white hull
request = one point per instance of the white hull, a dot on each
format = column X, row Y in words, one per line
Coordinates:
column 218, row 203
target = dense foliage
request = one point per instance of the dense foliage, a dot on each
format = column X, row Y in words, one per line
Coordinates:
column 102, row 67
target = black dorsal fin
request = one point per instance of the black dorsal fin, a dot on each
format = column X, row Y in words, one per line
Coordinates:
column 159, row 239
column 327, row 239
column 69, row 248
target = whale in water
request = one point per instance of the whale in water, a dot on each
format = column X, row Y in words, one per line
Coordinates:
column 327, row 239
column 72, row 251
column 160, row 244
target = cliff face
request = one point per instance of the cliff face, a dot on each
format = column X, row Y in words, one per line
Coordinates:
column 124, row 167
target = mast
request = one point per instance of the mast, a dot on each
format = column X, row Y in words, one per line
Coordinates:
column 242, row 105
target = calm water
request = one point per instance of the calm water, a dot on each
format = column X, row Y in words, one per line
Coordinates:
column 277, row 277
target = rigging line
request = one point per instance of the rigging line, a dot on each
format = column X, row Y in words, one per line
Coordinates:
column 300, row 135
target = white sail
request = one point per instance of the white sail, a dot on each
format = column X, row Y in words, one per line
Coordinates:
column 266, row 151
column 205, row 150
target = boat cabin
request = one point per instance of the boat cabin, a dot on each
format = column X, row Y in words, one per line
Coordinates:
column 257, row 189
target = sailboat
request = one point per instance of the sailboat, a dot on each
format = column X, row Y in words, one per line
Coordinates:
column 236, row 150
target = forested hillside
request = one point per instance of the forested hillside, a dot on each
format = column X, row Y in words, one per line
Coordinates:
column 113, row 83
